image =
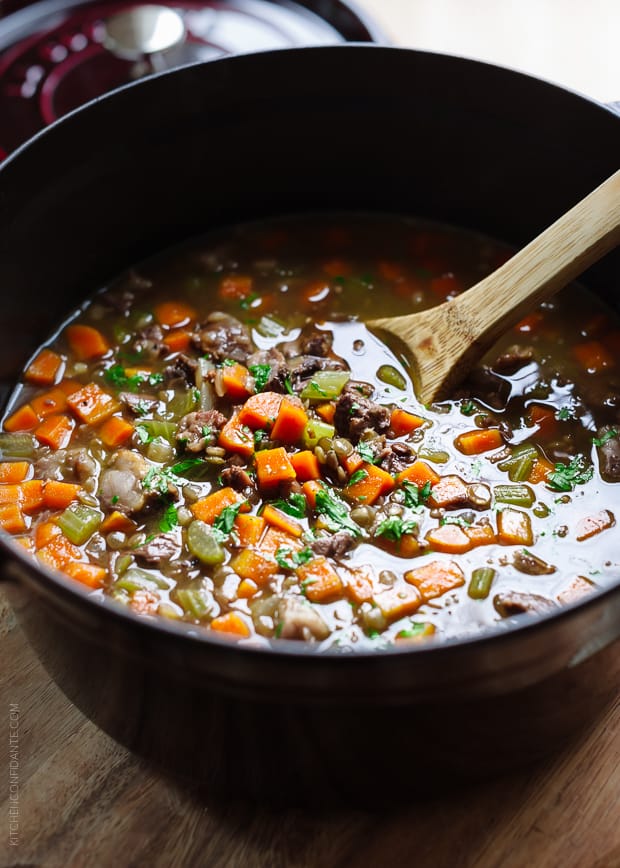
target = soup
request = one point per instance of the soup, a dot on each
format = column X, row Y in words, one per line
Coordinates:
column 217, row 438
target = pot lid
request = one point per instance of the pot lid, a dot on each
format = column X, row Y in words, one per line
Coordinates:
column 57, row 54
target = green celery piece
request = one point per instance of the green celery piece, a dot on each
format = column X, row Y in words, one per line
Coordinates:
column 183, row 402
column 314, row 431
column 393, row 377
column 17, row 445
column 520, row 463
column 155, row 428
column 437, row 456
column 204, row 544
column 517, row 495
column 480, row 584
column 135, row 579
column 194, row 602
column 79, row 522
column 269, row 327
column 325, row 385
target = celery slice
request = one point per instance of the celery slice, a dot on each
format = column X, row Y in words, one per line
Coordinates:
column 154, row 428
column 314, row 431
column 79, row 522
column 517, row 495
column 135, row 579
column 194, row 602
column 203, row 543
column 480, row 584
column 17, row 445
column 183, row 402
column 325, row 385
column 520, row 463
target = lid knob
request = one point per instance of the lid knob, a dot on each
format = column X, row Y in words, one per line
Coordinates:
column 144, row 33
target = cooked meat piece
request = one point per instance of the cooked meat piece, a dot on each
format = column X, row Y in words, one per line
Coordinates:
column 138, row 403
column 513, row 603
column 182, row 371
column 237, row 477
column 278, row 370
column 316, row 343
column 452, row 492
column 121, row 482
column 163, row 547
column 200, row 429
column 303, row 368
column 601, row 394
column 149, row 343
column 222, row 337
column 528, row 563
column 120, row 301
column 394, row 457
column 67, row 464
column 300, row 620
column 334, row 546
column 513, row 359
column 485, row 386
column 359, row 387
column 356, row 414
column 609, row 454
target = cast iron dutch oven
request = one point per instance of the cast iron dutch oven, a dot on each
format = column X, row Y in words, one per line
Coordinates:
column 349, row 127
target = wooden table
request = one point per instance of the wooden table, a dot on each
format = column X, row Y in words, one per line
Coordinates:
column 85, row 801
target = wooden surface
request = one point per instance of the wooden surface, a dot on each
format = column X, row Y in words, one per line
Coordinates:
column 84, row 801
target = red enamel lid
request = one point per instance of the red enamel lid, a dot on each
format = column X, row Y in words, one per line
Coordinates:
column 57, row 54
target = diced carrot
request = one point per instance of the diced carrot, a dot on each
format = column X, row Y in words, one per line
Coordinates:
column 54, row 401
column 290, row 422
column 44, row 368
column 174, row 313
column 11, row 493
column 446, row 285
column 116, row 431
column 358, row 583
column 273, row 466
column 530, row 323
column 375, row 483
column 178, row 340
column 579, row 587
column 402, row 422
column 212, row 505
column 91, row 404
column 116, row 521
column 249, row 529
column 479, row 440
column 480, row 534
column 12, row 518
column 237, row 437
column 249, row 564
column 33, row 497
column 247, row 588
column 59, row 552
column 306, row 465
column 593, row 357
column 449, row 538
column 337, row 268
column 261, row 411
column 593, row 524
column 23, row 419
column 320, row 581
column 143, row 371
column 449, row 493
column 352, row 462
column 55, row 431
column 426, row 632
column 326, row 411
column 45, row 532
column 541, row 471
column 88, row 574
column 398, row 601
column 231, row 624
column 235, row 287
column 436, row 578
column 405, row 547
column 58, row 495
column 276, row 518
column 419, row 473
column 14, row 471
column 514, row 528
column 69, row 386
column 544, row 418
column 86, row 342
column 310, row 489
column 275, row 539
column 233, row 381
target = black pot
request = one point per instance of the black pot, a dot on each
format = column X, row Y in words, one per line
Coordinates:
column 350, row 127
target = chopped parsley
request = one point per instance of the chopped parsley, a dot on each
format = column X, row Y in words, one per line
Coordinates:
column 227, row 363
column 289, row 560
column 414, row 495
column 261, row 375
column 288, row 386
column 608, row 435
column 564, row 414
column 116, row 376
column 295, row 505
column 566, row 476
column 336, row 512
column 467, row 408
column 158, row 479
column 169, row 520
column 182, row 467
column 313, row 386
column 247, row 302
column 394, row 527
column 225, row 521
column 115, row 499
column 278, row 630
column 207, row 431
column 416, row 629
column 357, row 477
column 365, row 452
column 260, row 435
column 143, row 435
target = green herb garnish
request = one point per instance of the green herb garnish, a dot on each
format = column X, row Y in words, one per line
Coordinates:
column 336, row 512
column 247, row 302
column 414, row 495
column 394, row 527
column 357, row 477
column 287, row 559
column 261, row 375
column 608, row 435
column 564, row 414
column 116, row 376
column 295, row 505
column 223, row 524
column 365, row 452
column 566, row 476
column 467, row 408
column 288, row 386
column 169, row 519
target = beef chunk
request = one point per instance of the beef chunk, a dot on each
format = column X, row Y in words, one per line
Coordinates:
column 316, row 343
column 278, row 371
column 394, row 457
column 356, row 414
column 486, row 386
column 149, row 343
column 334, row 546
column 300, row 620
column 452, row 492
column 609, row 454
column 306, row 366
column 67, row 464
column 528, row 563
column 223, row 337
column 162, row 547
column 513, row 603
column 139, row 403
column 182, row 371
column 121, row 482
column 513, row 359
column 199, row 429
column 237, row 477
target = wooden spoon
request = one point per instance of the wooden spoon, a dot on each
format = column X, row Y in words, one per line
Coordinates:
column 445, row 342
